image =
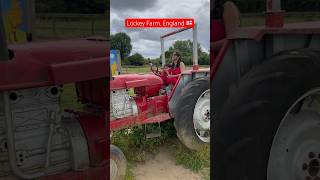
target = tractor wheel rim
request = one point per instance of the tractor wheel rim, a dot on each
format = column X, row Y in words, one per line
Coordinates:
column 201, row 117
column 113, row 169
column 295, row 152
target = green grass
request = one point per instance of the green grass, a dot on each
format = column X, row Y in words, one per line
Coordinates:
column 83, row 28
column 194, row 160
column 134, row 145
column 129, row 173
column 69, row 98
column 135, row 69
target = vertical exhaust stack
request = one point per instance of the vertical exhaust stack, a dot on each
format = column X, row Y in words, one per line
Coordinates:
column 163, row 58
column 4, row 53
column 274, row 14
column 195, row 48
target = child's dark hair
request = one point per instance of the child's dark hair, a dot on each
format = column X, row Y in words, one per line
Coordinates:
column 179, row 60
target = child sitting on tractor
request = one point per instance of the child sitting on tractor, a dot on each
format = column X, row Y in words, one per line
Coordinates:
column 177, row 67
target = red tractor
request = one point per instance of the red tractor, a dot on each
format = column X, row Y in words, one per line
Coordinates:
column 265, row 89
column 38, row 139
column 188, row 102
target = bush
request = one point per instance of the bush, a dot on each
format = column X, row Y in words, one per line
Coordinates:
column 136, row 60
column 204, row 58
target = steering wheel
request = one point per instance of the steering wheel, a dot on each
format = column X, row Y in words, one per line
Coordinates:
column 155, row 72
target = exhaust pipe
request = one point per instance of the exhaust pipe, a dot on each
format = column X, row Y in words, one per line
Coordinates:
column 4, row 53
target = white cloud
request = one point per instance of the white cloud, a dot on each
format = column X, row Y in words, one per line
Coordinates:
column 147, row 41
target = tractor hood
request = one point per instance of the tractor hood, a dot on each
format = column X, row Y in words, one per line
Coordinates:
column 127, row 81
column 54, row 62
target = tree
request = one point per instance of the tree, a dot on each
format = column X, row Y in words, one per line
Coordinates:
column 122, row 42
column 71, row 6
column 204, row 58
column 136, row 60
column 45, row 6
column 185, row 48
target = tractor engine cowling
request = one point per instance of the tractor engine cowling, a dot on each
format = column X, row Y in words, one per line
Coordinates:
column 144, row 85
column 121, row 104
column 43, row 140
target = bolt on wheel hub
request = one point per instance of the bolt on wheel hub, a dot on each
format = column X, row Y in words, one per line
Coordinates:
column 312, row 168
column 295, row 150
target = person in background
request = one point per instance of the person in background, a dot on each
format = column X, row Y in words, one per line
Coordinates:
column 177, row 67
column 224, row 20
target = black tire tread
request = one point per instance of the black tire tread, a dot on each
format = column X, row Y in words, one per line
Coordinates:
column 244, row 129
column 184, row 114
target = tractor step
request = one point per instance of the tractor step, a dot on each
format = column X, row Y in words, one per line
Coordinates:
column 154, row 132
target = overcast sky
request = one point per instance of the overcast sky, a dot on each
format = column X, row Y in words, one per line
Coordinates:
column 147, row 41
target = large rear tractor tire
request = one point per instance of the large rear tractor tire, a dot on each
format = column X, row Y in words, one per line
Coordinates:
column 264, row 131
column 192, row 121
column 118, row 163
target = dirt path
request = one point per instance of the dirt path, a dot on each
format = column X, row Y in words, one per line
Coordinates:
column 162, row 166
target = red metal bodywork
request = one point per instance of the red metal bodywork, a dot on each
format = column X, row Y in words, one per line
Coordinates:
column 257, row 33
column 94, row 92
column 53, row 63
column 145, row 84
column 152, row 107
column 151, row 110
column 97, row 134
column 80, row 61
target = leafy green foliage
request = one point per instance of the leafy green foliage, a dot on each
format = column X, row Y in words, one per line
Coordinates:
column 69, row 98
column 71, row 6
column 185, row 47
column 136, row 60
column 122, row 42
column 204, row 58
